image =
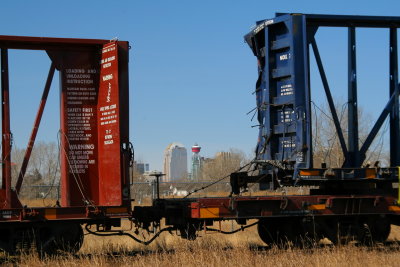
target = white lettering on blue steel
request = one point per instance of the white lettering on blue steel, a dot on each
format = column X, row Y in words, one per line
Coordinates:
column 284, row 57
column 286, row 116
column 262, row 25
column 286, row 89
column 300, row 157
column 288, row 143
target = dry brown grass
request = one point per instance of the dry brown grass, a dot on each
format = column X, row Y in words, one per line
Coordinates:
column 241, row 249
column 211, row 249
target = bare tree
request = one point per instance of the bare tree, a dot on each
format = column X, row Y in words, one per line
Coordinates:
column 223, row 164
column 43, row 167
column 326, row 145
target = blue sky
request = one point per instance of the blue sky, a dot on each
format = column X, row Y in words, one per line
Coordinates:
column 191, row 74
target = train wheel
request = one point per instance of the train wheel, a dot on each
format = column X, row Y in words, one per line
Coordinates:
column 276, row 232
column 190, row 231
column 307, row 233
column 60, row 238
column 294, row 232
column 6, row 242
column 341, row 235
column 71, row 238
column 374, row 230
column 24, row 241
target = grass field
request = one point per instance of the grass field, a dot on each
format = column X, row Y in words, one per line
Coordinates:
column 241, row 249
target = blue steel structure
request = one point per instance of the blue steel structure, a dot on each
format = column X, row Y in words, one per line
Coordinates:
column 283, row 95
column 283, row 46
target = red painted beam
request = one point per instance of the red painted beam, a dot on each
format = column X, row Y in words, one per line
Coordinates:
column 6, row 132
column 47, row 43
column 35, row 128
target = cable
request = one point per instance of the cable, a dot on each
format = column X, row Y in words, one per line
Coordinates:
column 55, row 171
column 329, row 151
column 120, row 233
column 77, row 180
column 315, row 105
column 231, row 232
column 380, row 142
column 254, row 109
column 315, row 128
column 284, row 132
column 258, row 180
column 11, row 149
column 219, row 180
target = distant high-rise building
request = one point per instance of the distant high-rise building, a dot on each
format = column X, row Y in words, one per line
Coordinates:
column 142, row 167
column 196, row 162
column 175, row 162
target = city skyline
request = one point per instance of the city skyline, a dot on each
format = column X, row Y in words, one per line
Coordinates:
column 175, row 162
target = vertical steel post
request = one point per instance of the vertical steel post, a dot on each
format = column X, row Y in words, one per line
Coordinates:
column 35, row 128
column 6, row 132
column 394, row 113
column 353, row 149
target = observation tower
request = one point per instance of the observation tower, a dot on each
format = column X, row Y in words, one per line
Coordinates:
column 196, row 162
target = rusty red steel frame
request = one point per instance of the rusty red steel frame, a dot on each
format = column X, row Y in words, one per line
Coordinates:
column 94, row 126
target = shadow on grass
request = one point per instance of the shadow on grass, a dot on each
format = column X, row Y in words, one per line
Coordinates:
column 387, row 246
column 5, row 259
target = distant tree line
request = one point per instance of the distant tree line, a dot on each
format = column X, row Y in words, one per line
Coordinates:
column 43, row 167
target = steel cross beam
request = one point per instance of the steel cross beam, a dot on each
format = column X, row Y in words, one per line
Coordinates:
column 352, row 21
column 329, row 97
column 378, row 124
column 35, row 128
